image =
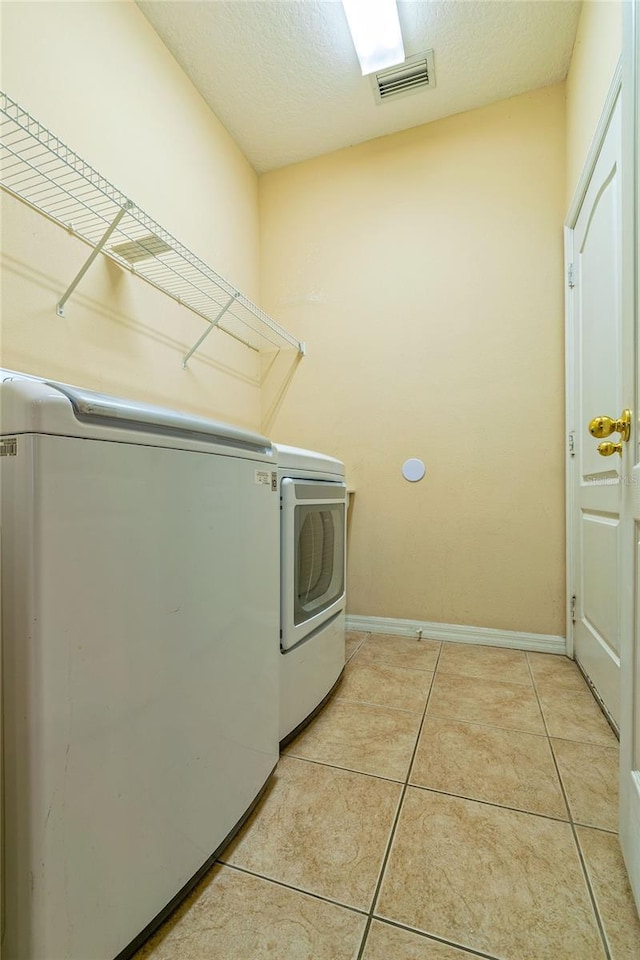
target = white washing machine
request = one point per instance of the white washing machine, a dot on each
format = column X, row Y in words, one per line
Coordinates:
column 139, row 658
column 313, row 505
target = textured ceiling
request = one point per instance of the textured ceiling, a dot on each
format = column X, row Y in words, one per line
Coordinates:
column 283, row 77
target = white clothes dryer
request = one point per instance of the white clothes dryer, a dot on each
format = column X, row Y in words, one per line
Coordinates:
column 313, row 507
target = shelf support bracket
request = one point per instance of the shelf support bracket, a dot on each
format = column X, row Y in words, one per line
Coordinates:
column 94, row 253
column 212, row 323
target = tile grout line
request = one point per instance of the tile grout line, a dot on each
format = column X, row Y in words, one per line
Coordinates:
column 583, row 864
column 492, row 726
column 435, row 939
column 396, row 819
column 383, row 706
column 528, row 733
column 353, row 652
column 336, row 766
column 379, row 661
column 447, row 793
column 589, row 743
column 475, row 678
column 492, row 803
column 289, row 886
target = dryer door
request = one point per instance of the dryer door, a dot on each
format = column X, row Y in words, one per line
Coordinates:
column 313, row 552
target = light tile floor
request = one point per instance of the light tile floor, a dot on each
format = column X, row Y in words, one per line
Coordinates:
column 450, row 802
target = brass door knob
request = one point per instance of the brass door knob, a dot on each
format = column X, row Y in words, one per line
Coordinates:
column 608, row 448
column 604, row 426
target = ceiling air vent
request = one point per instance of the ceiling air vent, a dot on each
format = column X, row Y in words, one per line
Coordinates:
column 416, row 73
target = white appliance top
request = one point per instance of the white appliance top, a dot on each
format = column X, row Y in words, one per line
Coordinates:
column 298, row 462
column 37, row 406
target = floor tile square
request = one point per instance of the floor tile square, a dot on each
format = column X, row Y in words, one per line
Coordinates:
column 359, row 736
column 500, row 704
column 611, row 889
column 385, row 942
column 372, row 681
column 553, row 671
column 353, row 640
column 237, row 916
column 590, row 776
column 321, row 830
column 401, row 651
column 486, row 763
column 575, row 715
column 503, row 882
column 489, row 663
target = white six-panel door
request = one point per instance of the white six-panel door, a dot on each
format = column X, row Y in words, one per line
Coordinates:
column 595, row 321
column 630, row 571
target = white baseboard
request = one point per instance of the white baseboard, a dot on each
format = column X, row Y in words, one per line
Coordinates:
column 458, row 633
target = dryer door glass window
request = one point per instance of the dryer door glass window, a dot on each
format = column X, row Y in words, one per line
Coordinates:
column 319, row 560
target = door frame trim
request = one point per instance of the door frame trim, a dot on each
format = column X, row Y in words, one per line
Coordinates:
column 569, row 225
column 595, row 148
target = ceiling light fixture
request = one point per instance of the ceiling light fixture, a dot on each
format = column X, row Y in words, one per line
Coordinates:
column 375, row 30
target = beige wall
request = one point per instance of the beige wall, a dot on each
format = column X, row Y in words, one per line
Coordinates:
column 595, row 56
column 98, row 76
column 424, row 270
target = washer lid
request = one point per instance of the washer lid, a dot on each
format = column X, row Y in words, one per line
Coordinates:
column 37, row 406
column 302, row 461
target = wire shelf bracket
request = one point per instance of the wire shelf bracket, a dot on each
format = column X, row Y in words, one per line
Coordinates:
column 37, row 168
column 214, row 323
column 92, row 256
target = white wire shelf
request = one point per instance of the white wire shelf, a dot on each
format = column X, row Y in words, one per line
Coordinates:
column 39, row 169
